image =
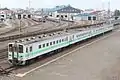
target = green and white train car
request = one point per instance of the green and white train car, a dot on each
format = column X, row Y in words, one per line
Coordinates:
column 20, row 52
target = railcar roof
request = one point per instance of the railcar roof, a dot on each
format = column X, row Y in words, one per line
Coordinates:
column 50, row 36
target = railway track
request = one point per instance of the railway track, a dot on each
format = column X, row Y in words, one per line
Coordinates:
column 42, row 31
column 7, row 71
column 14, row 29
column 4, row 53
column 17, row 36
column 3, row 56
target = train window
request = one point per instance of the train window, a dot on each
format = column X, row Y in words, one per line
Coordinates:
column 50, row 43
column 60, row 40
column 31, row 49
column 61, row 16
column 39, row 46
column 57, row 41
column 47, row 44
column 10, row 47
column 43, row 45
column 53, row 42
column 20, row 49
column 57, row 16
column 26, row 49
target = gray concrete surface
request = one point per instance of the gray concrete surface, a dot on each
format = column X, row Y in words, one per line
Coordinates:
column 94, row 62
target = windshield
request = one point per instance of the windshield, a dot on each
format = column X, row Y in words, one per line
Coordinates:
column 20, row 49
column 10, row 47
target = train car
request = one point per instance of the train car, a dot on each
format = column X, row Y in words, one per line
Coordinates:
column 22, row 51
column 38, row 19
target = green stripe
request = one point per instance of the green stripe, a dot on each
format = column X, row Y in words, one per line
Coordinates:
column 62, row 44
column 42, row 50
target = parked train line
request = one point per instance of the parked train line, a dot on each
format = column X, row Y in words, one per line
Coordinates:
column 31, row 48
column 10, row 69
column 13, row 69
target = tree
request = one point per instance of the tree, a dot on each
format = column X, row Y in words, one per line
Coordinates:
column 117, row 13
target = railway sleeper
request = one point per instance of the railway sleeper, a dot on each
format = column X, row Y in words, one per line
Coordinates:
column 3, row 71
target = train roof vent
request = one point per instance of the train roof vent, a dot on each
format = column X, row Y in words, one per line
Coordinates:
column 16, row 41
column 39, row 37
column 27, row 39
column 54, row 33
column 32, row 37
column 21, row 40
column 50, row 34
column 58, row 33
column 66, row 31
column 45, row 35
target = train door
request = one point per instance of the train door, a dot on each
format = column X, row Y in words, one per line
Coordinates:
column 71, row 39
column 13, row 49
column 27, row 52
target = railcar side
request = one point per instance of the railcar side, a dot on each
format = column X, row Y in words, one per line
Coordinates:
column 40, row 47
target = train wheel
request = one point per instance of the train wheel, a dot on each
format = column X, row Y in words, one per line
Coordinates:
column 24, row 63
column 27, row 62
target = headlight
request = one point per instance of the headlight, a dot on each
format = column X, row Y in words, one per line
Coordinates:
column 10, row 55
column 21, row 57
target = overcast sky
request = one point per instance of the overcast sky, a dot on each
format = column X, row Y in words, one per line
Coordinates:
column 81, row 4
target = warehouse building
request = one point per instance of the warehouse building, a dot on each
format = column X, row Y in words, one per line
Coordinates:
column 66, row 13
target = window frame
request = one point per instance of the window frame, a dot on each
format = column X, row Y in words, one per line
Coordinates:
column 40, row 46
column 57, row 41
column 50, row 43
column 53, row 42
column 47, row 44
column 20, row 48
column 43, row 45
column 30, row 48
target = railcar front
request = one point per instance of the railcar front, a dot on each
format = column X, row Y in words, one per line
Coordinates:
column 16, row 53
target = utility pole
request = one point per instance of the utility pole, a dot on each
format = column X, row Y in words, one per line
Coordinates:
column 42, row 14
column 29, row 4
column 59, row 18
column 0, row 14
column 109, row 8
column 68, row 19
column 20, row 27
column 0, row 5
column 103, row 5
column 109, row 11
column 19, row 17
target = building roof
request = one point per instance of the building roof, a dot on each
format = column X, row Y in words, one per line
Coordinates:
column 84, row 14
column 95, row 12
column 69, row 9
column 4, row 9
column 56, row 8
